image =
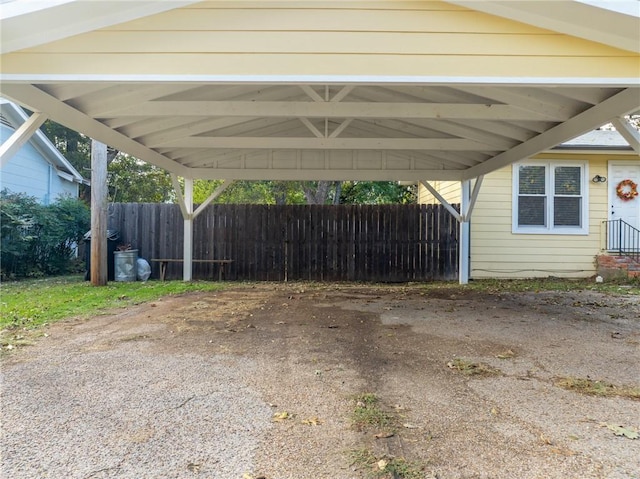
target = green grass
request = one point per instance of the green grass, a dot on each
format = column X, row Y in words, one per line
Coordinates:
column 33, row 303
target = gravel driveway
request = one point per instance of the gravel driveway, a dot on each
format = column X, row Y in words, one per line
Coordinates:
column 188, row 387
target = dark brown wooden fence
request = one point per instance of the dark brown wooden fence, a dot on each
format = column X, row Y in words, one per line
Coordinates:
column 323, row 243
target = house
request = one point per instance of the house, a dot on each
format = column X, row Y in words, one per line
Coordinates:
column 428, row 90
column 37, row 169
column 557, row 213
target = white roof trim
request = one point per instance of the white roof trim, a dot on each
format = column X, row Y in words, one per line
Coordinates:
column 325, row 79
column 29, row 23
column 596, row 23
column 17, row 116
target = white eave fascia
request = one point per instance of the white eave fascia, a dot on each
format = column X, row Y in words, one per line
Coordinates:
column 29, row 23
column 615, row 27
column 617, row 82
column 17, row 116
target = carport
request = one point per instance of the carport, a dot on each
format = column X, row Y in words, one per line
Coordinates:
column 319, row 90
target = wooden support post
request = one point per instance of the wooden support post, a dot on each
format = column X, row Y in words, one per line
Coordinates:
column 99, row 269
column 465, row 243
column 188, row 230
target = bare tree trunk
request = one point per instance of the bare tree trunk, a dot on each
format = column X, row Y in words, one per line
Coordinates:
column 336, row 197
column 316, row 194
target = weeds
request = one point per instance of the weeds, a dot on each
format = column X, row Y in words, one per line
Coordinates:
column 598, row 388
column 470, row 368
column 367, row 413
column 385, row 467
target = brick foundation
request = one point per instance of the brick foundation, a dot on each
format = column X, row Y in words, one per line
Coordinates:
column 616, row 267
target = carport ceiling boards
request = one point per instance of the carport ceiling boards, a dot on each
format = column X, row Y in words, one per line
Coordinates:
column 271, row 105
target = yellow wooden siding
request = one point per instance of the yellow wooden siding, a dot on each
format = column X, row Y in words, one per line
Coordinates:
column 384, row 38
column 496, row 252
column 450, row 191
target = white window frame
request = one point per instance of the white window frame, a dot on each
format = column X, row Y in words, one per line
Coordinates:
column 550, row 229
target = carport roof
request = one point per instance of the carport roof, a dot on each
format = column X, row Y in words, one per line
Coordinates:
column 324, row 90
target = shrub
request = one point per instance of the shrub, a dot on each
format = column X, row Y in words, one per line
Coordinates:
column 39, row 240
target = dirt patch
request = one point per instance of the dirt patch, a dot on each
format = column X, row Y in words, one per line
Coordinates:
column 308, row 350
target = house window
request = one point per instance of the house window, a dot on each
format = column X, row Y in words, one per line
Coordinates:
column 550, row 198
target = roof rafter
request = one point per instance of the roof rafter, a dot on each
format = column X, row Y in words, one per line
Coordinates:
column 78, row 121
column 627, row 101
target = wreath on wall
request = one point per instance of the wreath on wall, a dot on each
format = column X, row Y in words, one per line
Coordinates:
column 627, row 190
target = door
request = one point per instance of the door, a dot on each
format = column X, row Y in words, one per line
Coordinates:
column 627, row 210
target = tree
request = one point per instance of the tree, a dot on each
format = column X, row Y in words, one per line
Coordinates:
column 250, row 192
column 377, row 192
column 134, row 181
column 39, row 239
column 74, row 146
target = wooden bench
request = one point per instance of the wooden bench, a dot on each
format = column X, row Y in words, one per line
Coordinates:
column 164, row 262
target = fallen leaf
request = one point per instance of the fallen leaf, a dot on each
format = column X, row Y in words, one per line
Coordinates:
column 314, row 421
column 508, row 354
column 281, row 416
column 382, row 464
column 623, row 431
column 545, row 440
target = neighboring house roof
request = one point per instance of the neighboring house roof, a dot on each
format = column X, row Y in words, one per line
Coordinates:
column 14, row 116
column 597, row 140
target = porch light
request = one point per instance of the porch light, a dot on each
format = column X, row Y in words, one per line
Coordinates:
column 599, row 179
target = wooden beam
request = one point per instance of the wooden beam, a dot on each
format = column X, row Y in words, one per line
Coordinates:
column 312, row 93
column 335, row 133
column 308, row 109
column 20, row 137
column 317, row 133
column 217, row 192
column 343, row 93
column 78, row 121
column 628, row 132
column 439, row 144
column 99, row 251
column 474, row 197
column 316, row 174
column 442, row 201
column 622, row 103
column 160, row 137
column 530, row 100
column 179, row 197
